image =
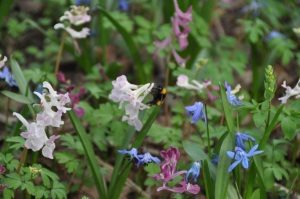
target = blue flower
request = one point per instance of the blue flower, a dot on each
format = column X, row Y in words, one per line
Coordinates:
column 241, row 137
column 8, row 76
column 194, row 171
column 132, row 153
column 147, row 158
column 196, row 111
column 253, row 7
column 241, row 156
column 216, row 159
column 83, row 2
column 275, row 34
column 123, row 5
column 232, row 99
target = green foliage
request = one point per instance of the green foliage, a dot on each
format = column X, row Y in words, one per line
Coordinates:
column 255, row 29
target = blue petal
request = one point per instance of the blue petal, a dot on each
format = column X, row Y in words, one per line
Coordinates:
column 231, row 167
column 230, row 154
column 245, row 162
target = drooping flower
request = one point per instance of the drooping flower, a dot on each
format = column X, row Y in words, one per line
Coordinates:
column 49, row 147
column 124, row 5
column 2, row 62
column 183, row 81
column 147, row 158
column 197, row 111
column 8, row 76
column 241, row 156
column 133, row 95
column 289, row 92
column 241, row 137
column 132, row 153
column 232, row 99
column 194, row 171
column 216, row 159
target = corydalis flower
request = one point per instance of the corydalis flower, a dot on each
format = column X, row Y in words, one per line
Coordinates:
column 194, row 171
column 232, row 99
column 8, row 76
column 196, row 111
column 35, row 134
column 133, row 95
column 2, row 62
column 76, row 16
column 168, row 168
column 241, row 137
column 289, row 92
column 241, row 156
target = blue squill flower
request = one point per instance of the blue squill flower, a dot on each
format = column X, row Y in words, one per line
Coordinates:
column 241, row 137
column 216, row 159
column 232, row 99
column 124, row 5
column 241, row 156
column 275, row 34
column 132, row 153
column 194, row 171
column 8, row 76
column 83, row 2
column 196, row 111
column 147, row 158
column 253, row 7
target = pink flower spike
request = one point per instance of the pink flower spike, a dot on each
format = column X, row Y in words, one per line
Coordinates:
column 179, row 60
column 185, row 16
column 161, row 45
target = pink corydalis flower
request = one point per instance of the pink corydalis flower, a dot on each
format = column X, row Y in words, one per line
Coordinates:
column 184, row 187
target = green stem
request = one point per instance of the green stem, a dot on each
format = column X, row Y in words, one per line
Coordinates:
column 207, row 131
column 23, row 159
column 61, row 48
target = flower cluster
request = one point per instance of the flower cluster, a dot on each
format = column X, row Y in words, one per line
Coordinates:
column 76, row 16
column 168, row 172
column 240, row 155
column 141, row 158
column 181, row 30
column 289, row 92
column 183, row 81
column 196, row 111
column 73, row 96
column 35, row 134
column 232, row 99
column 123, row 91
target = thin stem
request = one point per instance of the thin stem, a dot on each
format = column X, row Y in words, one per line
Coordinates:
column 61, row 48
column 23, row 158
column 237, row 121
column 268, row 117
column 207, row 131
column 167, row 114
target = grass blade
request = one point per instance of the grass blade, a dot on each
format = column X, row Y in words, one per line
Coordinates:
column 89, row 154
column 17, row 97
column 209, row 187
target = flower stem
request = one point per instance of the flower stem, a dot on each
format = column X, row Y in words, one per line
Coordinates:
column 23, row 158
column 207, row 130
column 61, row 48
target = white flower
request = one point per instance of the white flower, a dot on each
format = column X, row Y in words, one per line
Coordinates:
column 183, row 81
column 77, row 16
column 73, row 33
column 49, row 147
column 290, row 92
column 35, row 134
column 136, row 122
column 2, row 62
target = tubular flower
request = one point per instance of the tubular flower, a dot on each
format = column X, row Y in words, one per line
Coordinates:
column 133, row 95
column 168, row 173
column 196, row 111
column 241, row 137
column 142, row 158
column 289, row 92
column 241, row 156
column 35, row 134
column 132, row 153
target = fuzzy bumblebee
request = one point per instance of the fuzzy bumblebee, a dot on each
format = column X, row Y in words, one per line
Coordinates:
column 158, row 93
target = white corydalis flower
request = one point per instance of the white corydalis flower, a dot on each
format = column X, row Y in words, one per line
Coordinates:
column 77, row 15
column 49, row 147
column 289, row 92
column 73, row 33
column 183, row 81
column 2, row 62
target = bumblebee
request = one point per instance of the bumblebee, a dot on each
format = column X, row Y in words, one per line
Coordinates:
column 158, row 93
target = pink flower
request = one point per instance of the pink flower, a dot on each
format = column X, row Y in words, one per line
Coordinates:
column 2, row 169
column 194, row 189
column 3, row 186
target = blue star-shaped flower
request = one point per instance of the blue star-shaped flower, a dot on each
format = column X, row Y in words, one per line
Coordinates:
column 8, row 76
column 241, row 137
column 216, row 159
column 253, row 7
column 124, row 5
column 194, row 171
column 147, row 158
column 241, row 156
column 232, row 99
column 132, row 153
column 196, row 111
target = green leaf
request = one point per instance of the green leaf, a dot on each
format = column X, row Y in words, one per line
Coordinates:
column 17, row 97
column 29, row 187
column 288, row 126
column 8, row 193
column 18, row 140
column 89, row 155
column 259, row 118
column 46, row 180
column 58, row 191
column 13, row 180
column 209, row 186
